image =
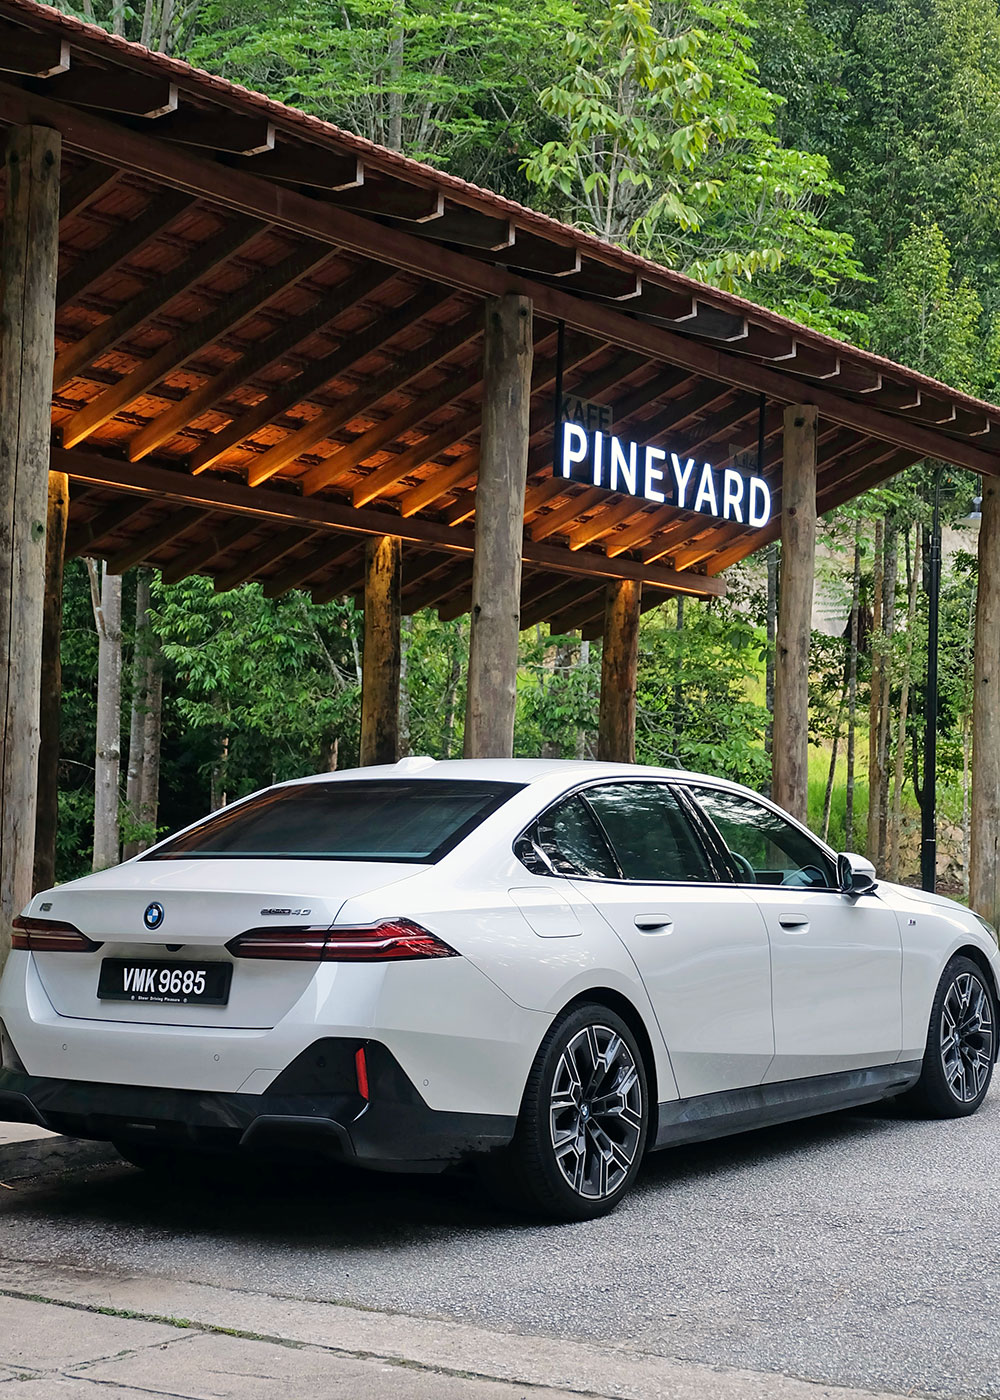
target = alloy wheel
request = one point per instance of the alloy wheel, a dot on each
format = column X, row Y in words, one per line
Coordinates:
column 966, row 1037
column 596, row 1112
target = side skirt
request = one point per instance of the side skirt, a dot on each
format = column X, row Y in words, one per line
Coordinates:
column 760, row 1105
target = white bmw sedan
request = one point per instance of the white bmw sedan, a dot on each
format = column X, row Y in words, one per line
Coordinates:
column 545, row 968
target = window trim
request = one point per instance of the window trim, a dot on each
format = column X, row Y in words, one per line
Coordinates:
column 694, row 784
column 711, row 857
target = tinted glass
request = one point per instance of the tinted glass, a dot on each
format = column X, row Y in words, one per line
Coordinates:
column 649, row 832
column 401, row 820
column 768, row 850
column 572, row 840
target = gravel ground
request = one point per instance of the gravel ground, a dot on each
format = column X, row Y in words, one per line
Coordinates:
column 858, row 1249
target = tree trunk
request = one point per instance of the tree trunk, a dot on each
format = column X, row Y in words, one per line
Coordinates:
column 790, row 757
column 875, row 700
column 47, row 817
column 397, row 37
column 889, row 571
column 405, row 642
column 895, row 829
column 984, row 852
column 771, row 623
column 852, row 689
column 832, row 771
column 451, row 688
column 151, row 742
column 583, row 662
column 140, row 703
column 106, row 596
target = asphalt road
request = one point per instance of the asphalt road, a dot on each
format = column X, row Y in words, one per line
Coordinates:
column 859, row 1249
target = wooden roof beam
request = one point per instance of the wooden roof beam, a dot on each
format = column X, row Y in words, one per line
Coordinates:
column 115, row 90
column 158, row 293
column 221, row 538
column 257, row 357
column 338, row 415
column 433, row 589
column 144, row 546
column 299, row 571
column 194, row 337
column 32, row 55
column 86, row 537
column 272, row 551
column 310, row 217
column 304, row 165
column 549, row 601
column 81, row 189
column 353, row 348
column 218, row 130
column 349, row 579
column 91, row 266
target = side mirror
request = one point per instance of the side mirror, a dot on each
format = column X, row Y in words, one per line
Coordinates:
column 857, row 875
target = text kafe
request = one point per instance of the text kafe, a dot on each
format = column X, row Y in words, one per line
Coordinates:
column 652, row 474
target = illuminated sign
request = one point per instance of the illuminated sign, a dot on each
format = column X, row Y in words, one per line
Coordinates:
column 653, row 474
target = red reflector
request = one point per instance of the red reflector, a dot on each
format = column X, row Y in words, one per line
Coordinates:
column 391, row 940
column 361, row 1069
column 49, row 936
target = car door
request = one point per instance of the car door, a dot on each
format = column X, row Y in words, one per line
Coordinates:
column 836, row 961
column 700, row 947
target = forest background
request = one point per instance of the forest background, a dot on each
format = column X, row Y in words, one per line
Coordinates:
column 837, row 160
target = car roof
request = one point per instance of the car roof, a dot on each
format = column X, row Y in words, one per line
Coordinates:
column 509, row 770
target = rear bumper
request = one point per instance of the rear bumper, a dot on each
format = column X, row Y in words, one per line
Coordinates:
column 313, row 1106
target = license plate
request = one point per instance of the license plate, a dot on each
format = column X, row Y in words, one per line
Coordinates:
column 166, row 983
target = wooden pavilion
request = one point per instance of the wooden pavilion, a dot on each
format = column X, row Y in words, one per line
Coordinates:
column 238, row 341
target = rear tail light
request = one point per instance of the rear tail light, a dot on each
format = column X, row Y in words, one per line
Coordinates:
column 49, row 936
column 390, row 940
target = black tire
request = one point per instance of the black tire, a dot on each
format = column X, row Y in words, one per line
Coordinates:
column 959, row 1056
column 602, row 1129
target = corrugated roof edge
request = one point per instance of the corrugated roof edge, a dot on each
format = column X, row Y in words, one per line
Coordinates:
column 487, row 201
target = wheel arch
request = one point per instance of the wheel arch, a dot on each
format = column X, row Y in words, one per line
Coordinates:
column 630, row 1014
column 976, row 955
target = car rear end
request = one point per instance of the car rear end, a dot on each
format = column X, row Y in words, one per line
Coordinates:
column 209, row 994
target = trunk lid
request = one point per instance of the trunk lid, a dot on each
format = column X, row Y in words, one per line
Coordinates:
column 204, row 904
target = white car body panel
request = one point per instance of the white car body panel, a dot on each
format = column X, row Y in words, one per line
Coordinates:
column 852, row 950
column 852, row 990
column 708, row 975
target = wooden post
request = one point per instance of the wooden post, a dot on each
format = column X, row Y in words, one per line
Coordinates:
column 47, row 816
column 619, row 661
column 28, row 265
column 381, row 657
column 496, row 572
column 984, row 843
column 790, row 784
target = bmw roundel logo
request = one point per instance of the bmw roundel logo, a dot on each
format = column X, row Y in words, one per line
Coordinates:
column 153, row 917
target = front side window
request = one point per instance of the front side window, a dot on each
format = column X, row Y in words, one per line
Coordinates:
column 410, row 820
column 649, row 833
column 764, row 848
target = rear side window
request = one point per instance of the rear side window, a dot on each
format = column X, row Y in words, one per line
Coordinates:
column 416, row 821
column 650, row 833
column 573, row 841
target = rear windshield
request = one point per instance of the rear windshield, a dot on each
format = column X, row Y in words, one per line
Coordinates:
column 416, row 821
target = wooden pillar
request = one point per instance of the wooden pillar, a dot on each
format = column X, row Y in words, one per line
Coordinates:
column 496, row 571
column 47, row 816
column 790, row 755
column 984, row 846
column 619, row 661
column 380, row 661
column 28, row 266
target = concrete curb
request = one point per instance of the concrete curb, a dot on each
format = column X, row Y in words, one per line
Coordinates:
column 429, row 1344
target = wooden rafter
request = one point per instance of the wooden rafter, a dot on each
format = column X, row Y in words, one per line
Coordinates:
column 145, row 545
column 313, row 377
column 225, row 534
column 299, row 571
column 90, row 267
column 271, row 551
column 187, row 342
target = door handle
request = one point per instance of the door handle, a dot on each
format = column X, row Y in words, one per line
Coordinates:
column 653, row 923
column 794, row 922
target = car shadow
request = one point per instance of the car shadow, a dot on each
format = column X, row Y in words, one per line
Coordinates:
column 309, row 1202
